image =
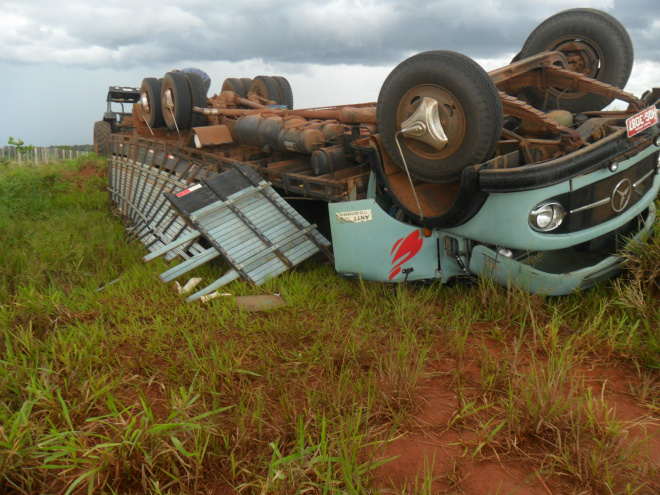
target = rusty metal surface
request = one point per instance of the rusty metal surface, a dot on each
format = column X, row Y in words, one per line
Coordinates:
column 212, row 135
column 552, row 70
column 570, row 140
column 434, row 199
column 558, row 77
column 290, row 172
column 346, row 115
column 450, row 113
column 546, row 59
column 278, row 133
column 249, row 103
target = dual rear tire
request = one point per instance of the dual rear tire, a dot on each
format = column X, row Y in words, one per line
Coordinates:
column 273, row 88
column 150, row 100
column 169, row 102
column 176, row 101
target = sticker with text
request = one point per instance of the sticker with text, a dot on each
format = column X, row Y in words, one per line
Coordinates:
column 355, row 216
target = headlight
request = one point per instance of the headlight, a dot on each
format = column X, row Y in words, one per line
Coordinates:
column 547, row 216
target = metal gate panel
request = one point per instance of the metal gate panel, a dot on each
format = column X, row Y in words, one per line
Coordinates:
column 246, row 221
column 138, row 179
column 167, row 208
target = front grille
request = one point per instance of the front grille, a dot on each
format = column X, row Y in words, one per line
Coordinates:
column 599, row 202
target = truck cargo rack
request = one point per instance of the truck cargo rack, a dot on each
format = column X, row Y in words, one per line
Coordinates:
column 137, row 178
column 170, row 198
column 242, row 217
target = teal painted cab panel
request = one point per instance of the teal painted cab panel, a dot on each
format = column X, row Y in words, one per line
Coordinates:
column 370, row 244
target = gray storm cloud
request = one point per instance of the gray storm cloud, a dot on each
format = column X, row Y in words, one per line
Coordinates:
column 80, row 34
column 58, row 57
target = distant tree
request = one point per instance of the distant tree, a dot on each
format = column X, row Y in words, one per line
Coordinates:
column 21, row 147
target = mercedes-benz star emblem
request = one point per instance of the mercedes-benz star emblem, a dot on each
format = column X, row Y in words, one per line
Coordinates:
column 621, row 195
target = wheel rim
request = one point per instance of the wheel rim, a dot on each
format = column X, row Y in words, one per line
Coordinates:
column 169, row 105
column 452, row 118
column 583, row 56
column 144, row 101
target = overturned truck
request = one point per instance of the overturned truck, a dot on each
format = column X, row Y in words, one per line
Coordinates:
column 518, row 175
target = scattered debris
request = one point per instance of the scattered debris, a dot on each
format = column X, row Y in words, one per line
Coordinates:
column 192, row 283
column 109, row 283
column 263, row 302
column 260, row 303
column 214, row 295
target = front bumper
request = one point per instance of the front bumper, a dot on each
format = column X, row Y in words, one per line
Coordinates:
column 488, row 263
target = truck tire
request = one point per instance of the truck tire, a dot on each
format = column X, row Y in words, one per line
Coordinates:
column 266, row 87
column 102, row 132
column 247, row 82
column 595, row 44
column 176, row 84
column 235, row 85
column 198, row 97
column 286, row 94
column 150, row 102
column 469, row 107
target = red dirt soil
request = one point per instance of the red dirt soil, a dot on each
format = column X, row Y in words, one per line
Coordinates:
column 433, row 440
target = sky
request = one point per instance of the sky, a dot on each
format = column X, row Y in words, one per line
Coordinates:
column 58, row 57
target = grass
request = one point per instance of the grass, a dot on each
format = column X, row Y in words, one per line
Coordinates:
column 128, row 389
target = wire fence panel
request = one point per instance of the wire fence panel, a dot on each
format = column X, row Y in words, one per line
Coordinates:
column 39, row 155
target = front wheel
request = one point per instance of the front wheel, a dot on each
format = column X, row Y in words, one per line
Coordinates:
column 594, row 43
column 468, row 106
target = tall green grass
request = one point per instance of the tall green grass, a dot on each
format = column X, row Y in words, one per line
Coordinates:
column 128, row 389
